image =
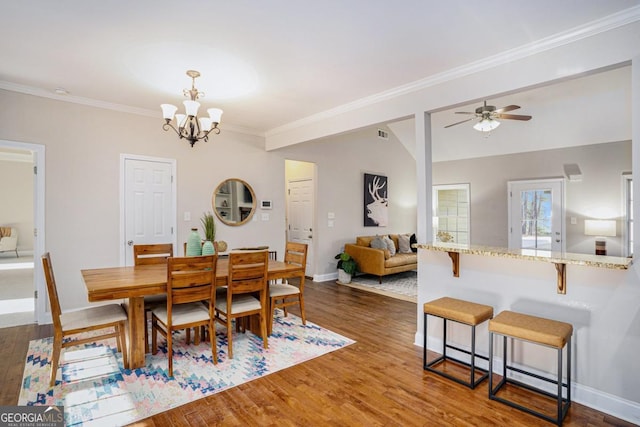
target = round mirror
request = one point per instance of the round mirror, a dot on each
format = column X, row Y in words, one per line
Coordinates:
column 234, row 202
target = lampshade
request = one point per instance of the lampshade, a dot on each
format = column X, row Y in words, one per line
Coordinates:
column 191, row 107
column 168, row 111
column 486, row 125
column 600, row 227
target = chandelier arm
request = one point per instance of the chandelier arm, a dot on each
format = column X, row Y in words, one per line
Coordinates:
column 168, row 125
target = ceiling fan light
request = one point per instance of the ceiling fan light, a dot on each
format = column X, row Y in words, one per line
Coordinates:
column 486, row 125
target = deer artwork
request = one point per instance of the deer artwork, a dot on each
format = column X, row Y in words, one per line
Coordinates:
column 377, row 210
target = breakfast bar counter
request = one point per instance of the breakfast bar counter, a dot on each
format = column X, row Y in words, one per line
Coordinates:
column 559, row 259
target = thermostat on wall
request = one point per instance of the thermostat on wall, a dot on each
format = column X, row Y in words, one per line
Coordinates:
column 265, row 204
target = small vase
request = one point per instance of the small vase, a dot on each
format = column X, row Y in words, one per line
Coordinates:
column 194, row 247
column 208, row 248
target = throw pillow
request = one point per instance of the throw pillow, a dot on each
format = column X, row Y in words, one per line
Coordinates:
column 378, row 243
column 390, row 245
column 404, row 247
column 412, row 241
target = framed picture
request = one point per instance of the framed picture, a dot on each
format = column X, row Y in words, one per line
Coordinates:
column 376, row 204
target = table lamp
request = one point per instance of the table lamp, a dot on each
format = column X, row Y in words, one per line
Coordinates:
column 602, row 229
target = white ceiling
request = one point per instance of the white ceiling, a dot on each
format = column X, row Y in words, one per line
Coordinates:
column 266, row 64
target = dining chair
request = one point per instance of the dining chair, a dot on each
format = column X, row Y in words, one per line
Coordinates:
column 190, row 281
column 109, row 319
column 283, row 295
column 151, row 254
column 247, row 277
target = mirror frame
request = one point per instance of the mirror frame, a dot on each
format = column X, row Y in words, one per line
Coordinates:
column 253, row 204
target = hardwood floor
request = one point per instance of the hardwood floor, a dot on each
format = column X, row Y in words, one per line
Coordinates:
column 377, row 381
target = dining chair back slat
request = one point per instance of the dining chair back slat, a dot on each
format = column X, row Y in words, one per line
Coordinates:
column 152, row 254
column 247, row 276
column 283, row 295
column 190, row 282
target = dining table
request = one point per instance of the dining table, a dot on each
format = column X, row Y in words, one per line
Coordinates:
column 133, row 283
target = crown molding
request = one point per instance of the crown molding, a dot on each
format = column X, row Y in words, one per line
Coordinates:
column 43, row 93
column 592, row 28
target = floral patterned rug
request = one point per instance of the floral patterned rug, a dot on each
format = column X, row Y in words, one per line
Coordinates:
column 96, row 390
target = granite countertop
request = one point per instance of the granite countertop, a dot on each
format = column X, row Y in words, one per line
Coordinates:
column 601, row 261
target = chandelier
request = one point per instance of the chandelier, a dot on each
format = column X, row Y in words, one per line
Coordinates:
column 189, row 126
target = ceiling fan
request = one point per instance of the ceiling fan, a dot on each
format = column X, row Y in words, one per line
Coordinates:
column 488, row 115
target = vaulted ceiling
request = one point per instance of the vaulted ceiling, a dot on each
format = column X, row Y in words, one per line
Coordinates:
column 266, row 64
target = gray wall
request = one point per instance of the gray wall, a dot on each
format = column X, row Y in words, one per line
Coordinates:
column 599, row 194
column 341, row 163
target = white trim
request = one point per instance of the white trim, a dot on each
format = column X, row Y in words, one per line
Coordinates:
column 592, row 28
column 38, row 153
column 329, row 277
column 43, row 93
column 174, row 198
column 563, row 219
column 626, row 178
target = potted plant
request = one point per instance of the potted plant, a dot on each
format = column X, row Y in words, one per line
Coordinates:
column 346, row 267
column 209, row 227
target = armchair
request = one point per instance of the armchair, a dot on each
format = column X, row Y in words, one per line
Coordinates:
column 9, row 239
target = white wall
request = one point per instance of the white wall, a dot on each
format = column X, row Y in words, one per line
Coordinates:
column 341, row 162
column 83, row 147
column 16, row 201
column 597, row 196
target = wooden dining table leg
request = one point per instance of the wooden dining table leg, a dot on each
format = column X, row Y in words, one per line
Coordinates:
column 137, row 323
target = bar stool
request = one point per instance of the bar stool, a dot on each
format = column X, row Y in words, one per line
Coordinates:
column 467, row 313
column 539, row 331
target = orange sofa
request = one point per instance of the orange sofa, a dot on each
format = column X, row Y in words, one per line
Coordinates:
column 379, row 261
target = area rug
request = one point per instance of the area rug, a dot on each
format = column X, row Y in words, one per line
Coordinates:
column 402, row 286
column 96, row 390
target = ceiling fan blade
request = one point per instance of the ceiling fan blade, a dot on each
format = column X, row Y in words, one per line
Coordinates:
column 457, row 123
column 507, row 108
column 512, row 117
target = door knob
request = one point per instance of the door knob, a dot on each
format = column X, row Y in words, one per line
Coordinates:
column 130, row 243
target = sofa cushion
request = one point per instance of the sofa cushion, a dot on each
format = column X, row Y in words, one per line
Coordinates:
column 391, row 246
column 413, row 241
column 404, row 247
column 400, row 260
column 365, row 240
column 378, row 243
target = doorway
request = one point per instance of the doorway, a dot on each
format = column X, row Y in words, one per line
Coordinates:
column 22, row 291
column 148, row 201
column 536, row 212
column 300, row 195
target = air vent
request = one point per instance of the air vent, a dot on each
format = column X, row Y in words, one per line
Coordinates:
column 383, row 134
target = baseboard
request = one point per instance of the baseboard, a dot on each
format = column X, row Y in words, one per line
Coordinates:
column 584, row 395
column 325, row 277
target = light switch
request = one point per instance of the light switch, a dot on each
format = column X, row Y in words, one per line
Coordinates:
column 574, row 220
column 264, row 216
column 187, row 216
column 330, row 223
column 331, row 215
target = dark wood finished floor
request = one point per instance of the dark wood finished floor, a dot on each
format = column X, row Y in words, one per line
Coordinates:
column 379, row 381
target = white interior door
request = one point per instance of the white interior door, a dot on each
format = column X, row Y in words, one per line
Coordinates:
column 149, row 204
column 301, row 216
column 536, row 211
